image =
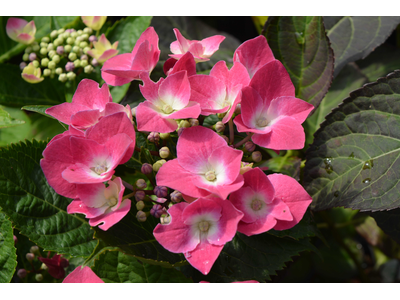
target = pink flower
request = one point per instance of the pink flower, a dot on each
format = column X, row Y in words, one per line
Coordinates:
column 94, row 22
column 246, row 281
column 254, row 54
column 265, row 207
column 20, row 30
column 270, row 110
column 101, row 204
column 201, row 50
column 103, row 49
column 205, row 165
column 219, row 92
column 31, row 74
column 185, row 63
column 167, row 100
column 55, row 265
column 199, row 230
column 82, row 275
column 126, row 67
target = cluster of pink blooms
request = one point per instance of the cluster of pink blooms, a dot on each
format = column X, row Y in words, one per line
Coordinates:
column 221, row 197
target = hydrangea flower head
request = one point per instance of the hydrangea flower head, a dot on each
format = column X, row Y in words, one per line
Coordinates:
column 20, row 30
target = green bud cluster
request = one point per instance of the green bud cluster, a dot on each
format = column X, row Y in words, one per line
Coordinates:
column 62, row 46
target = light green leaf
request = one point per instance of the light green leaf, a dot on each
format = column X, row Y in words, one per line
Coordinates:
column 7, row 121
column 41, row 109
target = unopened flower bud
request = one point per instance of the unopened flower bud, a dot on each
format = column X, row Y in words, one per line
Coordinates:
column 67, row 48
column 56, row 59
column 28, row 50
column 161, row 191
column 75, row 49
column 51, row 53
column 95, row 63
column 84, row 63
column 146, row 169
column 179, row 131
column 77, row 63
column 58, row 71
column 50, row 47
column 15, row 239
column 44, row 267
column 84, row 57
column 22, row 65
column 61, row 30
column 83, row 44
column 74, row 34
column 256, row 156
column 249, row 146
column 53, row 34
column 71, row 76
column 39, row 277
column 86, row 49
column 140, row 195
column 164, row 152
column 25, row 57
column 164, row 136
column 32, row 56
column 88, row 69
column 72, row 56
column 140, row 205
column 176, row 196
column 194, row 122
column 70, row 41
column 35, row 47
column 92, row 38
column 153, row 137
column 66, row 35
column 51, row 65
column 184, row 124
column 57, row 42
column 141, row 216
column 165, row 219
column 62, row 77
column 238, row 109
column 158, row 164
column 221, row 115
column 36, row 64
column 43, row 45
column 219, row 127
column 88, row 30
column 60, row 50
column 30, row 256
column 22, row 273
column 84, row 36
column 45, row 39
column 141, row 183
column 157, row 210
column 44, row 62
column 34, row 249
column 69, row 66
column 47, row 72
column 43, row 51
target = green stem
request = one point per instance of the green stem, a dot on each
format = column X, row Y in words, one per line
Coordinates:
column 12, row 52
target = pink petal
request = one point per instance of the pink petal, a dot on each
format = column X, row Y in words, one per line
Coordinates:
column 280, row 211
column 112, row 108
column 175, row 48
column 151, row 37
column 211, row 44
column 203, row 257
column 77, row 206
column 259, row 182
column 107, row 55
column 182, row 42
column 236, row 75
column 168, row 65
column 209, row 91
column 149, row 89
column 116, row 71
column 63, row 112
column 186, row 63
column 252, row 106
column 149, row 119
column 201, row 207
column 82, row 275
column 92, row 195
column 89, row 94
column 111, row 218
column 82, row 174
column 222, row 191
column 253, row 54
column 197, row 49
column 259, row 226
column 241, row 127
column 235, row 92
column 293, row 194
column 175, row 90
column 192, row 110
column 290, row 106
column 85, row 118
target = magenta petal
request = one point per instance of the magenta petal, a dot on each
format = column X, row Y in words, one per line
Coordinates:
column 237, row 75
column 89, row 94
column 111, row 218
column 82, row 174
column 63, row 112
column 293, row 194
column 252, row 106
column 85, row 118
column 176, row 236
column 92, row 194
column 149, row 89
column 192, row 110
column 290, row 106
column 151, row 36
column 221, row 191
column 148, row 119
column 77, row 206
column 186, row 63
column 241, row 127
column 203, row 257
column 168, row 65
column 119, row 64
column 209, row 91
column 211, row 44
column 82, row 275
column 280, row 211
column 175, row 90
column 259, row 182
column 259, row 226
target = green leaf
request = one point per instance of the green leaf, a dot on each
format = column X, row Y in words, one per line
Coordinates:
column 347, row 81
column 389, row 222
column 7, row 121
column 300, row 43
column 354, row 159
column 118, row 92
column 353, row 38
column 116, row 267
column 127, row 31
column 288, row 165
column 33, row 206
column 41, row 109
column 251, row 258
column 18, row 133
column 8, row 256
column 16, row 92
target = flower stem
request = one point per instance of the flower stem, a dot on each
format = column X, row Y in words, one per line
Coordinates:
column 231, row 133
column 128, row 185
column 128, row 196
column 247, row 138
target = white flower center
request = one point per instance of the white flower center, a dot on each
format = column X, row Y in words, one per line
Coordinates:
column 262, row 122
column 210, row 176
column 167, row 109
column 99, row 169
column 256, row 204
column 204, row 226
column 112, row 201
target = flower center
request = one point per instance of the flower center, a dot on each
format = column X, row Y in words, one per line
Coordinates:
column 210, row 176
column 256, row 204
column 262, row 122
column 167, row 109
column 99, row 169
column 112, row 201
column 204, row 226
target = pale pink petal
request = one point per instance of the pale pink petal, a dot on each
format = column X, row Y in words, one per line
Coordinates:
column 192, row 110
column 182, row 42
column 290, row 106
column 203, row 257
column 236, row 94
column 78, row 207
column 111, row 218
column 145, row 58
column 293, row 194
column 202, row 207
column 186, row 63
column 222, row 191
column 149, row 118
column 241, row 127
column 197, row 49
column 82, row 275
column 209, row 91
column 211, row 44
column 253, row 54
column 85, row 118
column 92, row 194
column 175, row 90
column 175, row 47
column 252, row 106
column 107, row 55
column 149, row 89
column 80, row 173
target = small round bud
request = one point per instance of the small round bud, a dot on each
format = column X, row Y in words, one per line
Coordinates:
column 69, row 66
column 66, row 35
column 43, row 45
column 78, row 40
column 56, row 59
column 225, row 138
column 28, row 50
column 45, row 39
column 140, row 205
column 141, row 216
column 83, row 44
column 79, row 32
column 88, row 69
column 179, row 131
column 92, row 38
column 47, row 72
column 77, row 63
column 249, row 146
column 61, row 30
column 30, row 256
column 60, row 50
column 95, row 63
column 256, row 156
column 43, row 51
column 141, row 183
column 157, row 210
column 219, row 127
column 88, row 30
column 35, row 63
column 176, row 196
column 50, row 46
column 59, row 71
column 51, row 53
column 53, row 34
column 32, row 56
column 86, row 49
column 62, row 77
column 22, row 273
column 76, row 49
column 35, row 47
column 25, row 57
column 140, row 195
column 146, row 169
column 74, row 34
column 71, row 76
column 184, row 124
column 51, row 65
column 158, row 164
column 57, row 42
column 84, row 63
column 153, row 137
column 164, row 152
column 44, row 62
column 194, row 122
column 44, row 267
column 84, row 36
column 165, row 219
column 22, row 65
column 70, row 41
column 72, row 56
column 34, row 249
column 39, row 277
column 15, row 239
column 67, row 48
column 238, row 109
column 164, row 136
column 161, row 191
column 84, row 57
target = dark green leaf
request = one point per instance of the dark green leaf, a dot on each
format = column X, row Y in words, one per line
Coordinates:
column 116, row 267
column 41, row 109
column 354, row 160
column 8, row 256
column 251, row 258
column 347, row 81
column 33, row 206
column 389, row 222
column 353, row 38
column 127, row 31
column 7, row 121
column 300, row 43
column 16, row 92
